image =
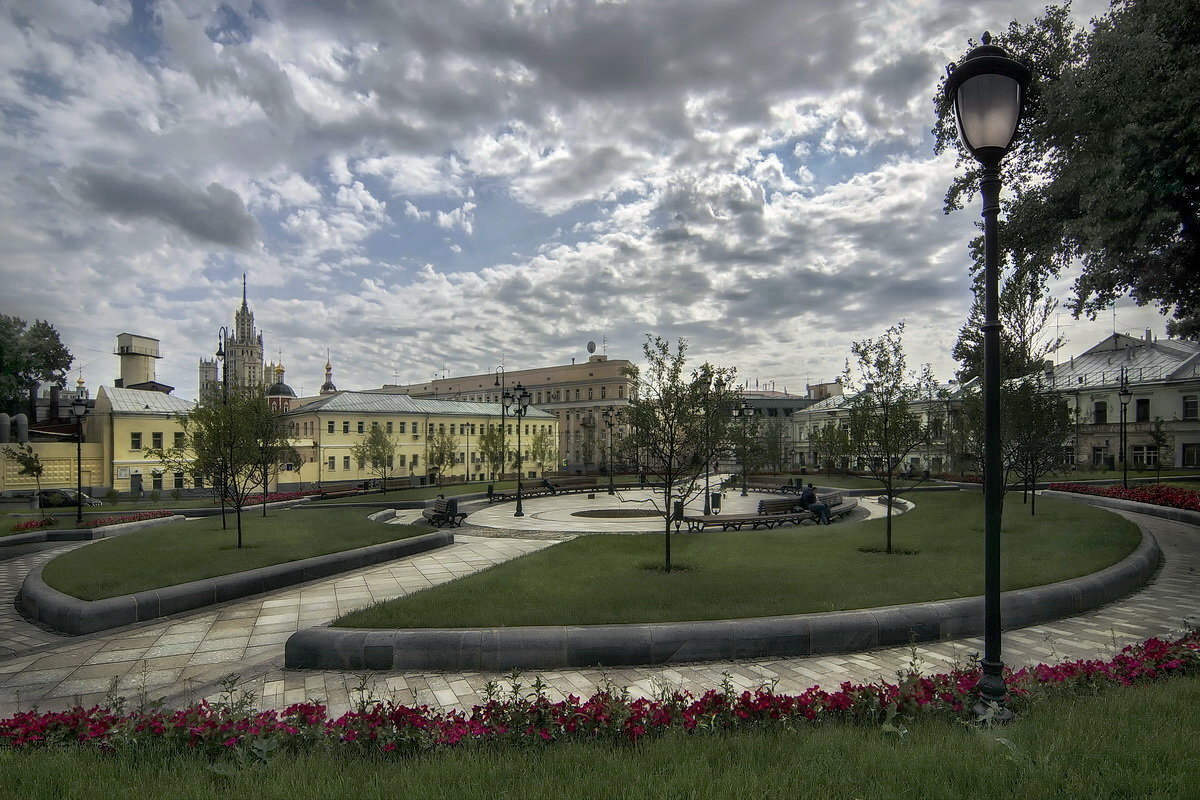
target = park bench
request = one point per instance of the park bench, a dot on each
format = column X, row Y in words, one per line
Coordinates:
column 532, row 490
column 444, row 512
column 326, row 494
column 772, row 514
column 773, row 486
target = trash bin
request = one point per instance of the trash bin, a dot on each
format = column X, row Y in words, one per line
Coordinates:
column 677, row 513
column 491, row 490
column 714, row 502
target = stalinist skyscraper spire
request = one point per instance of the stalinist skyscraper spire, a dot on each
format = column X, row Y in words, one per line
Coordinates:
column 243, row 356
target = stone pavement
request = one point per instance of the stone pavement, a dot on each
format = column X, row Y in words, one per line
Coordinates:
column 186, row 658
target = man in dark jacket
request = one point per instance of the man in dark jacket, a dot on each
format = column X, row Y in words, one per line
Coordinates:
column 810, row 502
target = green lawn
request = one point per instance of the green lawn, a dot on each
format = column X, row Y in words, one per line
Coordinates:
column 604, row 578
column 186, row 551
column 1134, row 742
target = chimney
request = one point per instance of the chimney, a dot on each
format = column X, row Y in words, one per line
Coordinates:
column 1149, row 337
column 55, row 394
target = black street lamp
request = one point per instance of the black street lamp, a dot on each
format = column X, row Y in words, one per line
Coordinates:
column 612, row 416
column 499, row 384
column 1125, row 395
column 987, row 90
column 79, row 410
column 745, row 411
column 222, row 340
column 522, row 397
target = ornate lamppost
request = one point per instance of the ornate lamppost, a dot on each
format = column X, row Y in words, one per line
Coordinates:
column 987, row 90
column 222, row 339
column 1125, row 396
column 79, row 410
column 612, row 416
column 505, row 399
column 522, row 397
column 745, row 411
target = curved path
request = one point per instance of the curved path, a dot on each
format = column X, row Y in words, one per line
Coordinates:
column 187, row 657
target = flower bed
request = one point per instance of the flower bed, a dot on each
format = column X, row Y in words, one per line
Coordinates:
column 531, row 717
column 34, row 524
column 1157, row 494
column 119, row 518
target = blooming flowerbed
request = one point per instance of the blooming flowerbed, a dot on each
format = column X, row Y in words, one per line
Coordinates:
column 119, row 518
column 277, row 497
column 522, row 718
column 34, row 524
column 1158, row 494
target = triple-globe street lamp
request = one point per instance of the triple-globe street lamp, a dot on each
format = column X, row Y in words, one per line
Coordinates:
column 745, row 411
column 79, row 410
column 987, row 89
column 520, row 397
column 611, row 416
column 1125, row 395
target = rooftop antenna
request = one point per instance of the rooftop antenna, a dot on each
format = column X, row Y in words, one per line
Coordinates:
column 604, row 343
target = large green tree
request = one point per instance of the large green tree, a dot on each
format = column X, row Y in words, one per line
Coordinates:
column 1025, row 314
column 443, row 452
column 29, row 354
column 1105, row 173
column 376, row 451
column 1035, row 425
column 676, row 423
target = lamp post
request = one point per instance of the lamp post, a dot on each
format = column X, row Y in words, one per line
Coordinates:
column 1125, row 395
column 499, row 384
column 745, row 411
column 987, row 90
column 611, row 417
column 522, row 397
column 222, row 339
column 79, row 410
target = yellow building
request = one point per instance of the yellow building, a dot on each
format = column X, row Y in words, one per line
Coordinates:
column 123, row 423
column 325, row 430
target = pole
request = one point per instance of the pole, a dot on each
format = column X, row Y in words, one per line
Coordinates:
column 519, row 414
column 991, row 685
column 79, row 470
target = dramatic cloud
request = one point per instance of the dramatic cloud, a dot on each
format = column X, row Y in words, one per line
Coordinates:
column 454, row 183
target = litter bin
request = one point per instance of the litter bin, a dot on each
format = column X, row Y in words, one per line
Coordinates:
column 677, row 513
column 714, row 502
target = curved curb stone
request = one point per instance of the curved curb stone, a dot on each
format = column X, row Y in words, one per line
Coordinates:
column 1150, row 509
column 72, row 615
column 85, row 534
column 553, row 647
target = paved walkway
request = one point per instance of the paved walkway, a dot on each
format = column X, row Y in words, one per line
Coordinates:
column 186, row 658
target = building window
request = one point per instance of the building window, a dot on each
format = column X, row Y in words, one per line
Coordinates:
column 179, row 438
column 1191, row 455
column 156, row 440
column 360, row 426
column 390, row 461
column 403, row 459
column 362, row 464
column 389, row 427
column 331, row 426
column 590, row 393
column 621, row 390
column 402, row 426
column 345, row 426
column 156, row 481
column 1100, row 412
column 332, row 461
column 1141, row 409
column 198, row 481
column 178, row 480
column 345, row 462
column 1145, row 455
column 135, row 441
column 1191, row 405
column 416, row 458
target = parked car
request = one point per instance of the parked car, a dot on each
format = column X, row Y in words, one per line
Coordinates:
column 63, row 497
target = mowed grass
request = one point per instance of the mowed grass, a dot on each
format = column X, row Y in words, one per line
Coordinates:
column 1133, row 742
column 798, row 569
column 179, row 552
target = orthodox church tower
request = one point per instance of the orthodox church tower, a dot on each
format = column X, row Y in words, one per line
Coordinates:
column 243, row 357
column 328, row 387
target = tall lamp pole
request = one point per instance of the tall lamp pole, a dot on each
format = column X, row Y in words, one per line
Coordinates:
column 987, row 90
column 522, row 397
column 499, row 384
column 611, row 417
column 78, row 410
column 222, row 339
column 745, row 411
column 1125, row 395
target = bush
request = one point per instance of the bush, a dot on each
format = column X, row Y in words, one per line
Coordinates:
column 1156, row 494
column 112, row 496
column 155, row 495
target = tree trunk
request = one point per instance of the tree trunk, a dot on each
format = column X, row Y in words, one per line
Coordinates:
column 667, row 528
column 238, row 510
column 266, row 481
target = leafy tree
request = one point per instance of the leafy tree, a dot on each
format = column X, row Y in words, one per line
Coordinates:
column 1161, row 440
column 744, row 439
column 270, row 430
column 29, row 354
column 492, row 449
column 376, row 451
column 831, row 443
column 543, row 450
column 28, row 463
column 676, row 423
column 884, row 429
column 587, row 449
column 443, row 452
column 1025, row 314
column 1035, row 425
column 1104, row 172
column 775, row 442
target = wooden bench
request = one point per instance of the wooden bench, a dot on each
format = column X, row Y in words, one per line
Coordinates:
column 444, row 512
column 772, row 514
column 532, row 490
column 331, row 493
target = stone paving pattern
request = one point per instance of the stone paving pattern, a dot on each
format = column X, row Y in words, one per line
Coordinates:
column 190, row 656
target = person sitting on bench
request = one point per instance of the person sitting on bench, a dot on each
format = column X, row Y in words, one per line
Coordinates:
column 809, row 502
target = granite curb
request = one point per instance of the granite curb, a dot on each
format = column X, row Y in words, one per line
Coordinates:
column 554, row 647
column 86, row 534
column 74, row 616
column 1150, row 509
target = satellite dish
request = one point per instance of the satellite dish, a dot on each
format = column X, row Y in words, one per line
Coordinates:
column 591, row 347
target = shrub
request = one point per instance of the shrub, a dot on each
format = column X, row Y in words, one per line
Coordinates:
column 1157, row 494
column 112, row 496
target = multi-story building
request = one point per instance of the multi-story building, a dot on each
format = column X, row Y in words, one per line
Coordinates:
column 575, row 394
column 325, row 431
column 243, row 358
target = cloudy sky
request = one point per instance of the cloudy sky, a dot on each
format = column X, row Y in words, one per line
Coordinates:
column 420, row 185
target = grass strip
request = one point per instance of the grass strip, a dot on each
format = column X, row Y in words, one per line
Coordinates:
column 610, row 578
column 198, row 548
column 1122, row 742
